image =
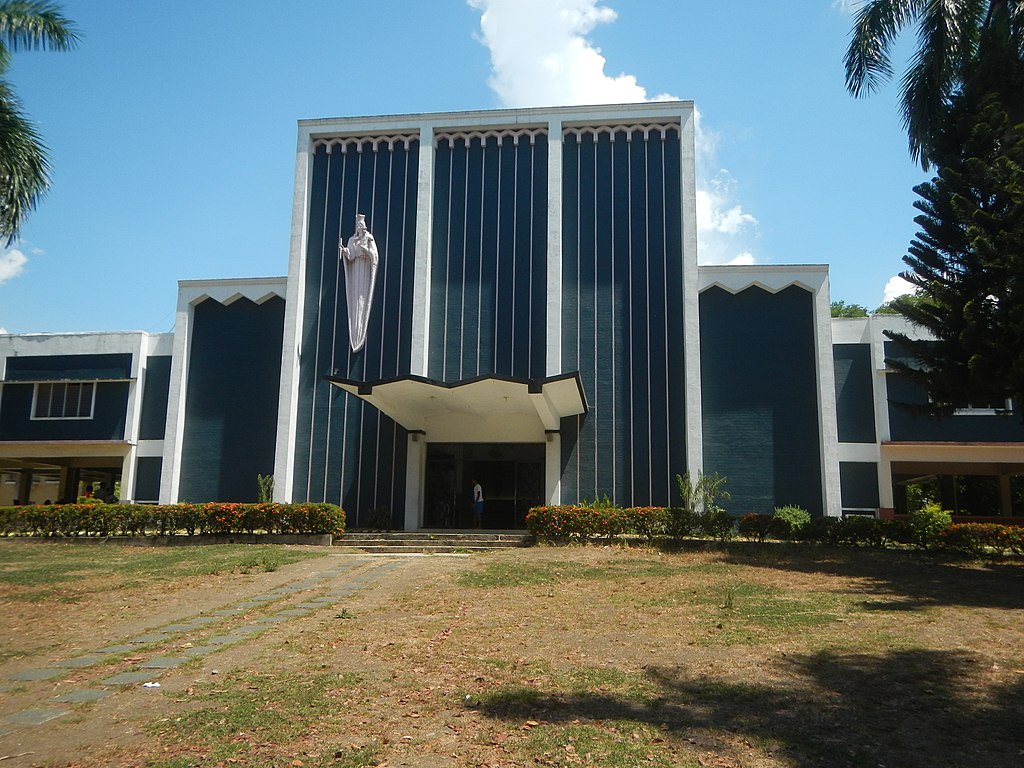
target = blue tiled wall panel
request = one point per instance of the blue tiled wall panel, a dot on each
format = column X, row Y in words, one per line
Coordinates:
column 488, row 258
column 905, row 424
column 153, row 418
column 231, row 401
column 147, row 478
column 855, row 407
column 858, row 482
column 343, row 451
column 107, row 422
column 622, row 315
column 759, row 397
column 69, row 367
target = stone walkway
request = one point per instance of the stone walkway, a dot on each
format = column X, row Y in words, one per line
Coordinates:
column 200, row 635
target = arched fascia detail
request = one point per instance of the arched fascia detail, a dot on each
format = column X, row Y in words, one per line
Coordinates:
column 499, row 133
column 775, row 288
column 344, row 142
column 596, row 130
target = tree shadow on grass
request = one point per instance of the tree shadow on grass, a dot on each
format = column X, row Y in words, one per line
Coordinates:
column 898, row 580
column 907, row 709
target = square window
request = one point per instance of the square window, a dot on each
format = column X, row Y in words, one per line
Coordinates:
column 64, row 400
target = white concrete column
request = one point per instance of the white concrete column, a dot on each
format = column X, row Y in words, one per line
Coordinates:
column 553, row 361
column 553, row 468
column 177, row 389
column 421, row 270
column 415, row 480
column 828, row 424
column 690, row 291
column 287, row 407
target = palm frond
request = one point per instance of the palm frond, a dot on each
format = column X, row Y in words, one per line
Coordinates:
column 24, row 168
column 35, row 25
column 875, row 29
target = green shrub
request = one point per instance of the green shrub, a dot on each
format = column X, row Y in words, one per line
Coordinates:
column 701, row 512
column 682, row 522
column 927, row 523
column 649, row 522
column 859, row 531
column 790, row 522
column 718, row 524
column 896, row 532
column 824, row 530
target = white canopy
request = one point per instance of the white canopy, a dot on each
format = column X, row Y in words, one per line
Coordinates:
column 491, row 409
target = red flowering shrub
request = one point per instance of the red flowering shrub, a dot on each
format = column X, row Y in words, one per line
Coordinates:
column 160, row 519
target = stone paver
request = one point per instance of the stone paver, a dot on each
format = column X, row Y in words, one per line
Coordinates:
column 163, row 662
column 201, row 650
column 83, row 696
column 129, row 678
column 149, row 670
column 116, row 649
column 34, row 716
column 44, row 673
column 250, row 628
column 224, row 639
column 153, row 637
column 80, row 661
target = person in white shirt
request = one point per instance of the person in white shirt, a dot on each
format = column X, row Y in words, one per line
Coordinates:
column 478, row 504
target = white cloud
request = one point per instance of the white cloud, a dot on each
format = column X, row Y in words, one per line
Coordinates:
column 540, row 56
column 12, row 262
column 847, row 7
column 897, row 286
column 742, row 259
column 3, row 331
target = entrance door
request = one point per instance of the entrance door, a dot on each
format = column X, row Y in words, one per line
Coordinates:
column 511, row 475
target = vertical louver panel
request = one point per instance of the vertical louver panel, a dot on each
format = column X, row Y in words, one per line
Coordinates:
column 622, row 321
column 346, row 452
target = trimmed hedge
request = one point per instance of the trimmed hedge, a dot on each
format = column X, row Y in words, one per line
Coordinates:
column 164, row 519
column 581, row 523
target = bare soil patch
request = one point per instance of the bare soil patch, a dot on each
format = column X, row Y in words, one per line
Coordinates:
column 748, row 656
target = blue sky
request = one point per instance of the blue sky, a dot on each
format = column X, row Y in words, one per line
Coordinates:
column 172, row 130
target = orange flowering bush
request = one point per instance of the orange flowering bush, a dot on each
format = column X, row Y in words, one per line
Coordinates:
column 160, row 519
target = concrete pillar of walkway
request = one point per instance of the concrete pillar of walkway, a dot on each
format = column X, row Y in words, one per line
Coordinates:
column 25, row 486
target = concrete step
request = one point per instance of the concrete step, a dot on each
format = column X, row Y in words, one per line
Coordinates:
column 427, row 542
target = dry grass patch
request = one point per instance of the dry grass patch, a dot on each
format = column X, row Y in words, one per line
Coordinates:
column 608, row 657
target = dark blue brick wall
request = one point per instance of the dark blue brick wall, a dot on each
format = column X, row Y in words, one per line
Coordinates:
column 107, row 422
column 346, row 452
column 622, row 315
column 858, row 482
column 69, row 367
column 147, row 478
column 230, row 424
column 855, row 408
column 759, row 395
column 906, row 424
column 153, row 417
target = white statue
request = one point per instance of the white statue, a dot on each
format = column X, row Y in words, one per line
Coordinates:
column 360, row 259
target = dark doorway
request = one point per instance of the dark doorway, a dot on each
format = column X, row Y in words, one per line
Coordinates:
column 511, row 475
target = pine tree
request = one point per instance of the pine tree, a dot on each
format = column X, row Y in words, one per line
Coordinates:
column 967, row 261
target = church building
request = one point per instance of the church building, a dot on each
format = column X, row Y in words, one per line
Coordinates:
column 507, row 298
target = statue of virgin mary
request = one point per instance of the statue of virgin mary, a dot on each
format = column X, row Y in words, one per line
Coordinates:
column 360, row 259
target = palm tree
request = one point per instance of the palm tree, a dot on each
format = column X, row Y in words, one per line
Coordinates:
column 24, row 168
column 952, row 37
